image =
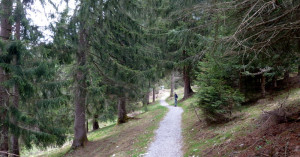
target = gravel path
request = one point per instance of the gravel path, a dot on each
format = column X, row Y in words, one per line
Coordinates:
column 168, row 139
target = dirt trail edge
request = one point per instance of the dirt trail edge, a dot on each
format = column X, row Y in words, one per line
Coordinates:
column 168, row 138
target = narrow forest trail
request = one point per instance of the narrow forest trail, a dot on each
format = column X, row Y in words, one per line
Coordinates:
column 168, row 138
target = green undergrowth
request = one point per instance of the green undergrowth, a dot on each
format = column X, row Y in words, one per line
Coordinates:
column 199, row 137
column 151, row 119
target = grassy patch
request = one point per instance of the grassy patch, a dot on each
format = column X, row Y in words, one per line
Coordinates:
column 58, row 153
column 200, row 139
column 129, row 139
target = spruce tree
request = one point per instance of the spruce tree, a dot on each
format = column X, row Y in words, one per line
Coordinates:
column 34, row 86
column 5, row 33
column 18, row 14
column 118, row 54
column 80, row 134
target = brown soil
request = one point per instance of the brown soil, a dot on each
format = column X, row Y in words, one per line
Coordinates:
column 278, row 140
column 110, row 145
column 120, row 142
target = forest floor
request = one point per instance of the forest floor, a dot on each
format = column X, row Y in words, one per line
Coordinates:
column 246, row 135
column 126, row 140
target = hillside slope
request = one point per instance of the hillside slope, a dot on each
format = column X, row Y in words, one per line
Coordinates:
column 247, row 135
column 126, row 140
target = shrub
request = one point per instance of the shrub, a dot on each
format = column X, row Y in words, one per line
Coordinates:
column 216, row 98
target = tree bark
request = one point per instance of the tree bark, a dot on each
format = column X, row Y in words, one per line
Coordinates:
column 122, row 114
column 263, row 85
column 148, row 95
column 148, row 98
column 4, row 137
column 95, row 122
column 298, row 34
column 15, row 137
column 286, row 75
column 286, row 78
column 172, row 84
column 187, row 83
column 240, row 82
column 274, row 82
column 6, row 9
column 153, row 94
column 87, row 125
column 80, row 137
column 186, row 79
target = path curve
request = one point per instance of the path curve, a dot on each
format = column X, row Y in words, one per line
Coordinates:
column 168, row 138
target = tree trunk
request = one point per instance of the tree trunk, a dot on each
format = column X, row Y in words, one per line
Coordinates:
column 95, row 122
column 240, row 82
column 148, row 98
column 15, row 137
column 172, row 84
column 4, row 137
column 80, row 137
column 286, row 78
column 148, row 95
column 298, row 34
column 145, row 101
column 286, row 75
column 15, row 150
column 187, row 83
column 87, row 125
column 274, row 82
column 122, row 115
column 6, row 10
column 263, row 85
column 186, row 79
column 153, row 94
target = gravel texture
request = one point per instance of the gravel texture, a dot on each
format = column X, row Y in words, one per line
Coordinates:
column 168, row 139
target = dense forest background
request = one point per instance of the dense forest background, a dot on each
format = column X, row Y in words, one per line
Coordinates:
column 108, row 56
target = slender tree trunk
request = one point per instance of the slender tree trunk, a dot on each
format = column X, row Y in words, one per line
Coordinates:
column 274, row 82
column 263, row 85
column 298, row 34
column 172, row 84
column 6, row 10
column 145, row 101
column 80, row 137
column 15, row 137
column 153, row 94
column 148, row 95
column 95, row 122
column 286, row 78
column 240, row 82
column 122, row 114
column 148, row 98
column 87, row 125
